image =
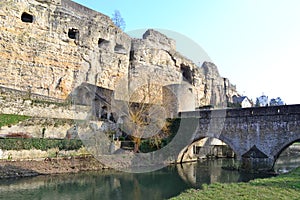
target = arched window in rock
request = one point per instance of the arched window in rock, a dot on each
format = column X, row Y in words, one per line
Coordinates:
column 26, row 17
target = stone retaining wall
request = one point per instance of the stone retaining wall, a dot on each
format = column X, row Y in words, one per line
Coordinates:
column 12, row 105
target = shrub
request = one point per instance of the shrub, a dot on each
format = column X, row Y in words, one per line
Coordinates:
column 18, row 135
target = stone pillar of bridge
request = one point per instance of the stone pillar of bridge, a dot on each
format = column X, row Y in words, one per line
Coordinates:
column 256, row 161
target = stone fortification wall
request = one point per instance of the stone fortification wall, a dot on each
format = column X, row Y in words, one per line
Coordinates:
column 41, row 128
column 23, row 103
column 42, row 109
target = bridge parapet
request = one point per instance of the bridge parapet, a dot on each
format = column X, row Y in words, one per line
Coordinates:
column 251, row 132
column 240, row 112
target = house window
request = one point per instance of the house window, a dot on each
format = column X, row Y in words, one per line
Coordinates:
column 27, row 18
column 73, row 33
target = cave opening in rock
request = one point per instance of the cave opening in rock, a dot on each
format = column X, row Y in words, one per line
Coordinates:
column 73, row 33
column 120, row 49
column 186, row 73
column 26, row 17
column 102, row 43
column 131, row 55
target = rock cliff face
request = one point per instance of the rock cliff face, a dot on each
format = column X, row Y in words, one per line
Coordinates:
column 49, row 47
column 157, row 54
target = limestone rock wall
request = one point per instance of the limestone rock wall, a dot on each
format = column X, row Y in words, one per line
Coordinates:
column 156, row 54
column 216, row 89
column 49, row 47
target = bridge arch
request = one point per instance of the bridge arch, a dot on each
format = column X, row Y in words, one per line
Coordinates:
column 284, row 147
column 205, row 145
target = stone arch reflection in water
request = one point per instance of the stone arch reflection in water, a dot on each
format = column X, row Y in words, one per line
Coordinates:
column 288, row 158
column 161, row 184
column 211, row 171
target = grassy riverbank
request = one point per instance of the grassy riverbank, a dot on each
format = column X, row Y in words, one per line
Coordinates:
column 285, row 186
column 58, row 165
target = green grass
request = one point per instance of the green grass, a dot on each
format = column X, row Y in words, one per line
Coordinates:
column 39, row 143
column 285, row 186
column 11, row 119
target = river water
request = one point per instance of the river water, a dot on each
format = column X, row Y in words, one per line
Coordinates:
column 161, row 184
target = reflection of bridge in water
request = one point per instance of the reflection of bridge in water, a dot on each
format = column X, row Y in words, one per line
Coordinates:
column 207, row 148
column 210, row 171
column 256, row 135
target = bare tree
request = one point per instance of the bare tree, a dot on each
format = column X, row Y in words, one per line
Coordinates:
column 118, row 20
column 140, row 103
column 145, row 110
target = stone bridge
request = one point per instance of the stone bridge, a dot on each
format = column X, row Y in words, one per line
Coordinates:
column 256, row 135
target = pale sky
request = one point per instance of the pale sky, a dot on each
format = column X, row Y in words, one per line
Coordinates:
column 254, row 43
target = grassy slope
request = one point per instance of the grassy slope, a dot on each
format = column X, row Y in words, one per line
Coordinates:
column 10, row 119
column 285, row 186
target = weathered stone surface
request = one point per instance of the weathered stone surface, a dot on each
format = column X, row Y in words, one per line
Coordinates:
column 255, row 134
column 40, row 127
column 217, row 90
column 41, row 57
column 21, row 106
column 49, row 47
column 157, row 55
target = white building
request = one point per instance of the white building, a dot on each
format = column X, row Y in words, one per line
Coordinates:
column 243, row 101
column 263, row 100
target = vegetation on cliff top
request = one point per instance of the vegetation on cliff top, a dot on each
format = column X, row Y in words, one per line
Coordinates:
column 285, row 186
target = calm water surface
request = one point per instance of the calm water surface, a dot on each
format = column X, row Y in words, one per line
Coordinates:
column 161, row 184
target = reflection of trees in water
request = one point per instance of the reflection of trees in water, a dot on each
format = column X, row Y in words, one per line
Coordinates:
column 207, row 171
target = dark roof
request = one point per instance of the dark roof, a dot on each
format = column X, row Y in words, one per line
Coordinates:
column 238, row 99
column 254, row 152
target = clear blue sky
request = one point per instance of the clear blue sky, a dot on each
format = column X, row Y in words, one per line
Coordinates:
column 254, row 43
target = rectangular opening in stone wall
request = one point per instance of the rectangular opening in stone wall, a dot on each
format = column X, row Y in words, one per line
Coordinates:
column 26, row 17
column 73, row 33
column 103, row 43
column 120, row 49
